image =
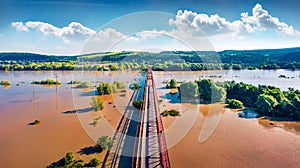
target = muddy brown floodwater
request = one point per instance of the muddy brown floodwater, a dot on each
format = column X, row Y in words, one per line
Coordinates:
column 236, row 142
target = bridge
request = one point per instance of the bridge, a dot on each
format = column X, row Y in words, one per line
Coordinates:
column 139, row 140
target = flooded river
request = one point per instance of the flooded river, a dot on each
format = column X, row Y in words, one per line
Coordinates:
column 235, row 142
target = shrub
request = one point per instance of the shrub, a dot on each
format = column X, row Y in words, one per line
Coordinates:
column 120, row 85
column 5, row 82
column 97, row 104
column 85, row 84
column 235, row 104
column 46, row 82
column 172, row 84
column 138, row 103
column 104, row 142
column 170, row 112
column 74, row 82
column 136, row 86
column 105, row 88
column 94, row 162
column 36, row 122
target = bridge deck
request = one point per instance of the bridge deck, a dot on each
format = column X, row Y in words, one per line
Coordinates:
column 139, row 140
column 153, row 148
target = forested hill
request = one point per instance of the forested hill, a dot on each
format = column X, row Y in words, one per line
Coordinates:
column 245, row 57
column 34, row 57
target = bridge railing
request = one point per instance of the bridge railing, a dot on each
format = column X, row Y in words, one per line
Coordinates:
column 160, row 129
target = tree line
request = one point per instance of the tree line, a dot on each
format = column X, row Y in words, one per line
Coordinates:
column 167, row 60
column 268, row 100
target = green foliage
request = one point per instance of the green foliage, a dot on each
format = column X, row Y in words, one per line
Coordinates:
column 273, row 91
column 138, row 103
column 86, row 84
column 235, row 104
column 285, row 109
column 74, row 82
column 97, row 103
column 172, row 84
column 268, row 100
column 104, row 142
column 210, row 92
column 265, row 104
column 36, row 122
column 5, row 82
column 46, row 82
column 170, row 112
column 94, row 162
column 136, row 86
column 104, row 88
column 68, row 162
column 244, row 92
column 120, row 85
column 167, row 60
column 189, row 89
column 113, row 67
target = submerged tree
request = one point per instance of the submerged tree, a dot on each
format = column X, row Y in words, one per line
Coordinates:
column 172, row 84
column 265, row 104
column 97, row 103
column 104, row 142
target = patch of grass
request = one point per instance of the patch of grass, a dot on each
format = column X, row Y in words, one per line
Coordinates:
column 36, row 122
column 85, row 84
column 122, row 95
column 5, row 82
column 46, row 82
column 74, row 82
column 172, row 113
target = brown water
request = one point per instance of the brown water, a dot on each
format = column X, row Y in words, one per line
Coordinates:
column 235, row 142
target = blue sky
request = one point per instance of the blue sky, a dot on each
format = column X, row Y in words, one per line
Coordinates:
column 75, row 26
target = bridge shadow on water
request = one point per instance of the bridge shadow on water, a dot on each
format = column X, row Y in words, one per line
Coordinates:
column 130, row 142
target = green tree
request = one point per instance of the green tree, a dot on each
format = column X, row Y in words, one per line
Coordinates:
column 285, row 108
column 265, row 104
column 5, row 82
column 97, row 103
column 104, row 142
column 104, row 88
column 172, row 84
column 209, row 91
column 218, row 94
column 235, row 104
column 138, row 103
column 94, row 162
column 112, row 67
column 136, row 86
column 120, row 85
column 67, row 160
column 189, row 89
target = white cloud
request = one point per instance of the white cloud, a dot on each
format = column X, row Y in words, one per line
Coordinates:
column 19, row 26
column 197, row 31
column 110, row 34
column 196, row 24
column 74, row 31
column 262, row 20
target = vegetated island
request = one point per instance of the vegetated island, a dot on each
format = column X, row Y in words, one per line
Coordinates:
column 103, row 143
column 46, row 82
column 166, row 60
column 268, row 101
column 5, row 82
